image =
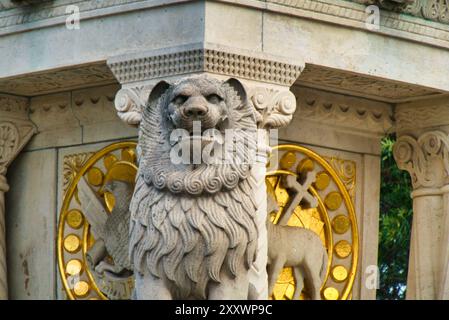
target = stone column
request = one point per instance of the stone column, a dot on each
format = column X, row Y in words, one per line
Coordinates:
column 422, row 149
column 267, row 80
column 15, row 131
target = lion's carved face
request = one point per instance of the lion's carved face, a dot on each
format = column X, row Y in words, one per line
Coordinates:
column 189, row 102
column 209, row 104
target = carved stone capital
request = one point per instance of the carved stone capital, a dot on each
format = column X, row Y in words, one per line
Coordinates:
column 129, row 103
column 274, row 107
column 15, row 128
column 267, row 78
column 425, row 158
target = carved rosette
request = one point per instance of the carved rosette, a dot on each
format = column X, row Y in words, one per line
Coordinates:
column 425, row 158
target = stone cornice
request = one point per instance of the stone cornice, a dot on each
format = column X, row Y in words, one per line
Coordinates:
column 368, row 117
column 414, row 116
column 13, row 107
column 426, row 158
column 354, row 15
column 64, row 79
column 203, row 57
column 335, row 11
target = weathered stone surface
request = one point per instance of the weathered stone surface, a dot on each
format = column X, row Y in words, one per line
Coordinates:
column 30, row 221
column 77, row 117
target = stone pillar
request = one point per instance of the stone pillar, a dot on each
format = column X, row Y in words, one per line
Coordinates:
column 422, row 149
column 15, row 131
column 267, row 80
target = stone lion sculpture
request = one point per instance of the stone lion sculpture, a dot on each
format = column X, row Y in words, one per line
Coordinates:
column 192, row 232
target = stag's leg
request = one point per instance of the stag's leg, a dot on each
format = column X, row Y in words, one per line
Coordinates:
column 230, row 287
column 148, row 287
column 299, row 281
column 274, row 270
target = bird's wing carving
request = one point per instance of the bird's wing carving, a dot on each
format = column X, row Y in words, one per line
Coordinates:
column 93, row 209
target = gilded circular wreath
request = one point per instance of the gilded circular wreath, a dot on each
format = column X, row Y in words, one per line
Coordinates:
column 333, row 220
column 75, row 237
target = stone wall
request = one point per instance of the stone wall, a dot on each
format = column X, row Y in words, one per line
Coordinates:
column 68, row 123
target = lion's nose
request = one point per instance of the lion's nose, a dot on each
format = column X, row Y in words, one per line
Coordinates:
column 195, row 111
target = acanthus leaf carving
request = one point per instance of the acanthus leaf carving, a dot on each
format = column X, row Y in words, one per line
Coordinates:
column 425, row 158
column 9, row 141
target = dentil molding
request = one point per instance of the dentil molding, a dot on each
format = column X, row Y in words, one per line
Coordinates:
column 336, row 110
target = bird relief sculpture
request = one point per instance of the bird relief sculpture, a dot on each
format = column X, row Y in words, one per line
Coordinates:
column 108, row 258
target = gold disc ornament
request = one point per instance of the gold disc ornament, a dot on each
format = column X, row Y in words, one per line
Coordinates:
column 333, row 218
column 75, row 236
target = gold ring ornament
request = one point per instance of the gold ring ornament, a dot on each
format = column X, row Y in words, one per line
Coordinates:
column 333, row 218
column 76, row 235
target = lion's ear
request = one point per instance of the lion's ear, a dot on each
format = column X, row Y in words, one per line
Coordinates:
column 238, row 86
column 158, row 90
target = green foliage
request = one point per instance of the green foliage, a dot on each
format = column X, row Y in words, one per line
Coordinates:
column 395, row 225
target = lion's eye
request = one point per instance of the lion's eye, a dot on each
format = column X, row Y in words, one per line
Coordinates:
column 214, row 98
column 180, row 99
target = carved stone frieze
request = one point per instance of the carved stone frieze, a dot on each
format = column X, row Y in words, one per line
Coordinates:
column 361, row 85
column 420, row 115
column 337, row 110
column 436, row 10
column 396, row 5
column 58, row 80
